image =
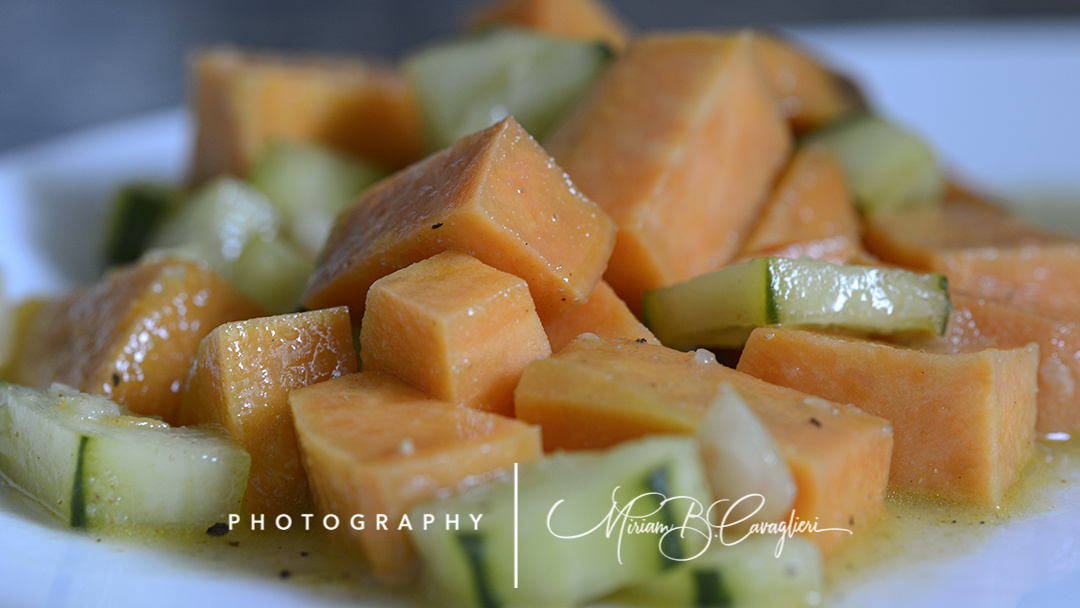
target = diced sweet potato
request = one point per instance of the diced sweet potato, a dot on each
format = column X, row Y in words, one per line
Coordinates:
column 809, row 213
column 597, row 392
column 243, row 101
column 810, row 95
column 962, row 193
column 586, row 19
column 373, row 445
column 984, row 251
column 605, row 314
column 964, row 423
column 978, row 323
column 241, row 380
column 455, row 328
column 838, row 250
column 838, row 454
column 131, row 337
column 18, row 324
column 679, row 143
column 496, row 195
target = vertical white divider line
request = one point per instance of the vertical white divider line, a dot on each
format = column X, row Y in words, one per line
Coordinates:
column 515, row 525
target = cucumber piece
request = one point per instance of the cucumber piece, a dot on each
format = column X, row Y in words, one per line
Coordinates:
column 469, row 84
column 742, row 458
column 310, row 185
column 744, row 574
column 234, row 228
column 470, row 567
column 218, row 222
column 719, row 309
column 92, row 466
column 137, row 211
column 886, row 167
column 273, row 274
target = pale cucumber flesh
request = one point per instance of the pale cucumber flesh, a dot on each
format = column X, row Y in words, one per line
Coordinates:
column 469, row 84
column 742, row 458
column 719, row 309
column 217, row 222
column 886, row 167
column 94, row 467
column 310, row 185
column 236, row 230
column 273, row 274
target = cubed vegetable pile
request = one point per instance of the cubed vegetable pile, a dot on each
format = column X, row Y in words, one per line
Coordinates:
column 481, row 286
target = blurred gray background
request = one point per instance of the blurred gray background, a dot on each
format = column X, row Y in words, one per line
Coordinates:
column 66, row 64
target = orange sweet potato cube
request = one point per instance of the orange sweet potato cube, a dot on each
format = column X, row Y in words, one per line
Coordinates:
column 809, row 213
column 605, row 314
column 964, row 423
column 984, row 251
column 495, row 195
column 679, row 142
column 839, row 455
column 810, row 95
column 374, row 446
column 597, row 392
column 244, row 101
column 584, row 19
column 834, row 250
column 131, row 337
column 979, row 323
column 455, row 328
column 241, row 380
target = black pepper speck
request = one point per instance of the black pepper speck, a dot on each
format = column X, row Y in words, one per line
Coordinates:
column 218, row 529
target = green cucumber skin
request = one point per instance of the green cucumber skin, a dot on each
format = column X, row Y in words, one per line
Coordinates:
column 137, row 212
column 772, row 309
column 709, row 589
column 943, row 327
column 671, row 549
column 472, row 545
column 79, row 487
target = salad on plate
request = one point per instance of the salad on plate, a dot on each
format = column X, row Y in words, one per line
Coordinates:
column 550, row 313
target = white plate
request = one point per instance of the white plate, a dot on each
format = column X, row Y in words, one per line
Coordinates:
column 999, row 102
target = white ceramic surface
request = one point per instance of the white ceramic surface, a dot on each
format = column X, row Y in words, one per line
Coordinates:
column 1000, row 103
